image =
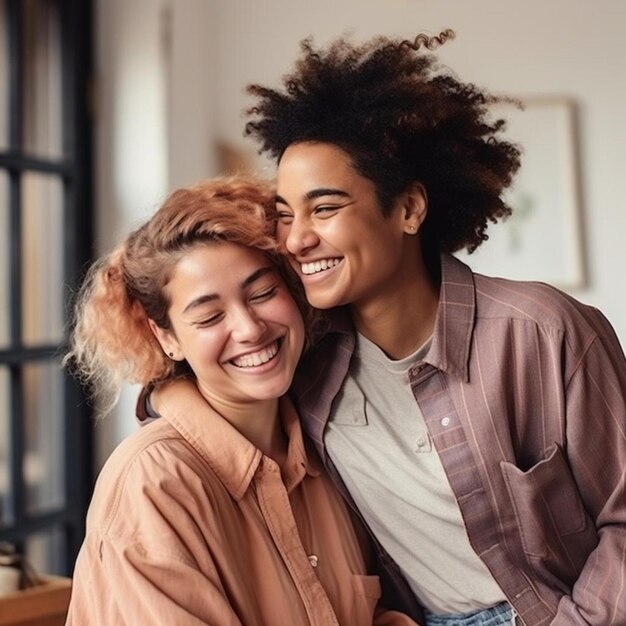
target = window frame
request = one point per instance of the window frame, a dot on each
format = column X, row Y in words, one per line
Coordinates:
column 74, row 170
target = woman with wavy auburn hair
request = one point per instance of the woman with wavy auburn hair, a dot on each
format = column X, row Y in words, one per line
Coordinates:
column 219, row 512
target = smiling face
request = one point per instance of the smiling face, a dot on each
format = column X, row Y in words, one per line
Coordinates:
column 235, row 323
column 331, row 224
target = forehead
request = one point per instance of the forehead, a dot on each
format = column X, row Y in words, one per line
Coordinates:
column 215, row 268
column 312, row 164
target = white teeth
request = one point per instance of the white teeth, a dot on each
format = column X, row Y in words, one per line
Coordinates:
column 318, row 266
column 255, row 359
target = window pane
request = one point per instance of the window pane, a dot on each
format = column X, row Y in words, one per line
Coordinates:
column 43, row 114
column 44, row 449
column 5, row 476
column 42, row 258
column 4, row 77
column 46, row 551
column 4, row 259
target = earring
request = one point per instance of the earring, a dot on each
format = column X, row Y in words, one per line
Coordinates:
column 412, row 229
column 171, row 355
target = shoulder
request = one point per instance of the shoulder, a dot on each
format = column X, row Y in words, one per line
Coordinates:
column 537, row 321
column 537, row 304
column 154, row 472
column 327, row 358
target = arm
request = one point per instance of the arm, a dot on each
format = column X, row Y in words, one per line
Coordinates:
column 383, row 617
column 165, row 585
column 118, row 583
column 151, row 399
column 143, row 560
column 596, row 440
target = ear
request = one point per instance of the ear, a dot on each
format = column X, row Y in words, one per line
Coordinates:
column 414, row 208
column 167, row 340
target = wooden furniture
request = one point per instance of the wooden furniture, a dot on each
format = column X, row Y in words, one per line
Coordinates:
column 43, row 605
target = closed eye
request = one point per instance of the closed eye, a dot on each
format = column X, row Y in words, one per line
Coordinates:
column 211, row 320
column 284, row 217
column 325, row 210
column 265, row 294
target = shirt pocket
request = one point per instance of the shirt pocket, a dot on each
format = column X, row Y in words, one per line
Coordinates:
column 350, row 403
column 366, row 594
column 556, row 531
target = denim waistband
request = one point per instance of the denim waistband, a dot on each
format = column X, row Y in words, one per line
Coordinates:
column 499, row 615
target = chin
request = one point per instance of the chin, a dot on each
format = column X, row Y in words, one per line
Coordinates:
column 323, row 301
column 325, row 304
column 273, row 391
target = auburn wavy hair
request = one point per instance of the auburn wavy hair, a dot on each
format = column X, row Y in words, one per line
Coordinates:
column 402, row 119
column 111, row 342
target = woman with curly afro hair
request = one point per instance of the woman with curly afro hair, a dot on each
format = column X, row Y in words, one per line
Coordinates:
column 401, row 121
column 462, row 416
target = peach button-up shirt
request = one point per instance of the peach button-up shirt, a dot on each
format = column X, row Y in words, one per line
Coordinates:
column 191, row 524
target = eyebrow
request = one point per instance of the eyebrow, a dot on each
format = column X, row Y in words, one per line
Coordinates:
column 246, row 282
column 317, row 193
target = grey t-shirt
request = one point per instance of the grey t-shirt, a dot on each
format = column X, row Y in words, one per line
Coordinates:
column 377, row 439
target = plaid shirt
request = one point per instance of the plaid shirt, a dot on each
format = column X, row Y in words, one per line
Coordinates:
column 524, row 394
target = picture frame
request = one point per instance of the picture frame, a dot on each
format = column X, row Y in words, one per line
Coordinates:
column 542, row 239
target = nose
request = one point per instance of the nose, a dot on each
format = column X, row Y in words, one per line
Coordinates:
column 246, row 326
column 299, row 236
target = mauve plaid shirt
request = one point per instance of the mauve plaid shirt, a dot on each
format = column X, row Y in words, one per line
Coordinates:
column 523, row 392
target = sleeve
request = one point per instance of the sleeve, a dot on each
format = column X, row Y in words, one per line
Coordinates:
column 143, row 561
column 152, row 398
column 596, row 451
column 121, row 584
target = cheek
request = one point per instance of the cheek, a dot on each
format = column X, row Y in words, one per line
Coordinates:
column 380, row 243
column 282, row 232
column 205, row 347
column 298, row 330
column 357, row 234
column 287, row 314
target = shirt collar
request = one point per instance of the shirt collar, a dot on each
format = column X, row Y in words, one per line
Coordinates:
column 454, row 324
column 229, row 454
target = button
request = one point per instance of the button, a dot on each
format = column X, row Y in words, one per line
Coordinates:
column 312, row 560
column 445, row 421
column 359, row 418
column 422, row 443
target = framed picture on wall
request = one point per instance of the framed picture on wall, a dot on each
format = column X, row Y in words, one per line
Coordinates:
column 542, row 239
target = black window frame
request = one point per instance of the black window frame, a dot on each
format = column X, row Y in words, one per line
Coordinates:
column 74, row 171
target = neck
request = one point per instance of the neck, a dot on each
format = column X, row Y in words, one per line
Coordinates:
column 402, row 318
column 259, row 422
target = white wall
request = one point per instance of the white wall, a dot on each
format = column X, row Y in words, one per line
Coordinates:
column 131, row 146
column 153, row 126
column 172, row 77
column 192, row 92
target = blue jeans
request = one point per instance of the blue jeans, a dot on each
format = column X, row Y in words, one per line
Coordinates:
column 499, row 615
